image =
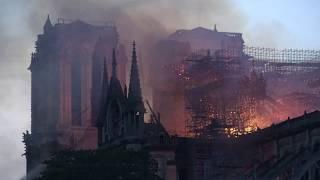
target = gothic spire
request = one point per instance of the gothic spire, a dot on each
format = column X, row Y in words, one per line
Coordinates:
column 134, row 95
column 48, row 25
column 114, row 63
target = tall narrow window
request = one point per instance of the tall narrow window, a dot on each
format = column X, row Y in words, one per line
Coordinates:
column 76, row 93
column 137, row 119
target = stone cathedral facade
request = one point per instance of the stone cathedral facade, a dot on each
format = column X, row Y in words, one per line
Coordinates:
column 74, row 103
column 66, row 86
column 80, row 100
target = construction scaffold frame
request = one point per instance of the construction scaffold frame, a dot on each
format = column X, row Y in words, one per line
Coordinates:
column 283, row 60
column 264, row 60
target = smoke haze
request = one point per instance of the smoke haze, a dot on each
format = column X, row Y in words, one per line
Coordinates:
column 143, row 20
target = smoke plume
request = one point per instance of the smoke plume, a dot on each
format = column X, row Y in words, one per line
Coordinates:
column 145, row 21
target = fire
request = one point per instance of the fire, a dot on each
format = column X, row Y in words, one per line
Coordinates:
column 215, row 95
column 250, row 129
column 236, row 132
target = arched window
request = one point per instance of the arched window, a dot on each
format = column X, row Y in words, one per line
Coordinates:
column 161, row 139
column 76, row 108
column 137, row 118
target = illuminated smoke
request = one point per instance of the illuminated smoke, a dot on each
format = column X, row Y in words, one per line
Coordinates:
column 146, row 21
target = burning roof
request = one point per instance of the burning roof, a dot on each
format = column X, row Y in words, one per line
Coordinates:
column 203, row 38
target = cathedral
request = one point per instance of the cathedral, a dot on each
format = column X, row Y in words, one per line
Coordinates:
column 79, row 101
column 74, row 103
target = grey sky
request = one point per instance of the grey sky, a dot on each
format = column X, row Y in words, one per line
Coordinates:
column 271, row 23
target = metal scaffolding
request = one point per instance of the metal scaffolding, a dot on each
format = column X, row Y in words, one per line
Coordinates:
column 208, row 115
column 207, row 70
column 283, row 60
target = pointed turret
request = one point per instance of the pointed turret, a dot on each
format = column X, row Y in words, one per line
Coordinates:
column 48, row 25
column 115, row 86
column 134, row 94
column 33, row 62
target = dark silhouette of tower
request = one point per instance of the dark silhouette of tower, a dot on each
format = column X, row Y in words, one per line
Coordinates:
column 121, row 121
column 67, row 72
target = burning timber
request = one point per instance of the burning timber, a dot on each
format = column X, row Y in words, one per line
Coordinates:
column 224, row 100
column 238, row 89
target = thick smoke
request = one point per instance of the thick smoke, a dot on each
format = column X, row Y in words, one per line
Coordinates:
column 146, row 21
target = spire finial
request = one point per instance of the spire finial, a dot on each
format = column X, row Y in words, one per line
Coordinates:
column 134, row 45
column 47, row 26
column 134, row 54
column 134, row 94
column 114, row 63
